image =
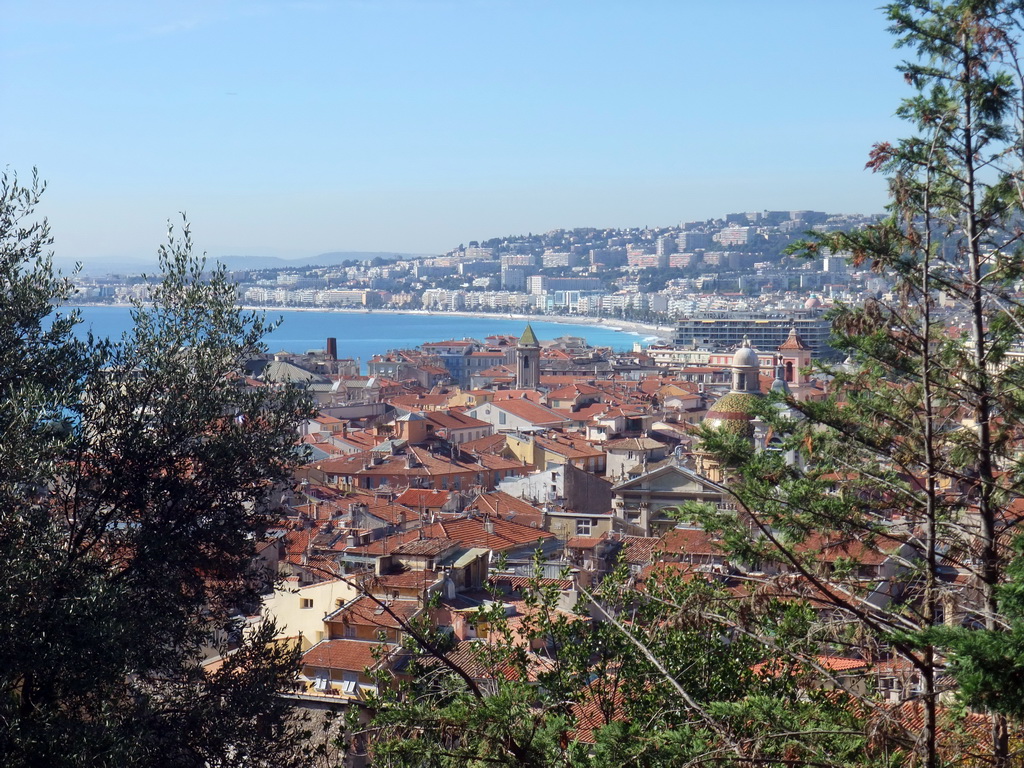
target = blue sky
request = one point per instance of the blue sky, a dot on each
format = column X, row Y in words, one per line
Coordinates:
column 294, row 128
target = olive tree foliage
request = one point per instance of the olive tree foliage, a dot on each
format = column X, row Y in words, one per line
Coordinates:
column 134, row 480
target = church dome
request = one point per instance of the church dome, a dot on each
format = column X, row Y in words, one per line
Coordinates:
column 812, row 303
column 745, row 357
column 734, row 412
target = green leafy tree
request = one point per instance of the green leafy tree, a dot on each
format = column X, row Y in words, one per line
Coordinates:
column 666, row 677
column 914, row 457
column 134, row 485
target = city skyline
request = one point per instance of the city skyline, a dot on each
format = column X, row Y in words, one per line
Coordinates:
column 300, row 128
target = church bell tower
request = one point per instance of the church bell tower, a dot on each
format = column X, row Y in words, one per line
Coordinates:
column 528, row 360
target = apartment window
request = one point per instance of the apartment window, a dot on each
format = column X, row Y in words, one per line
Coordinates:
column 305, row 602
column 583, row 527
column 350, row 630
column 501, row 417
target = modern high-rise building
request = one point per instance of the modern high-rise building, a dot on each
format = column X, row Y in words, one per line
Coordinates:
column 688, row 241
column 766, row 330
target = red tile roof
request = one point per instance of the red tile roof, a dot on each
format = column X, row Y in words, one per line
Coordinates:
column 348, row 655
column 536, row 414
column 689, row 541
column 421, row 579
column 489, row 444
column 639, row 550
column 425, row 547
column 365, row 611
column 508, row 507
column 423, row 498
column 471, row 532
column 583, row 542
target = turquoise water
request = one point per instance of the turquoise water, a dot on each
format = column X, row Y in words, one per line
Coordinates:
column 362, row 335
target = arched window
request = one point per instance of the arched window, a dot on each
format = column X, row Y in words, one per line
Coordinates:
column 789, row 370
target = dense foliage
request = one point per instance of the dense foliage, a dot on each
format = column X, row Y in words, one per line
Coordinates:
column 134, row 484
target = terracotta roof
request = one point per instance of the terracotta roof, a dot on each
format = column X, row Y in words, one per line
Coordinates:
column 470, row 532
column 426, row 547
column 602, row 702
column 385, row 545
column 421, row 578
column 493, row 461
column 368, row 463
column 830, row 549
column 478, row 659
column 775, row 667
column 572, row 391
column 519, row 583
column 536, row 414
column 508, row 507
column 365, row 611
column 517, row 394
column 488, row 353
column 418, row 402
column 793, row 341
column 349, row 655
column 423, row 498
column 567, row 446
column 454, row 420
column 583, row 542
column 639, row 550
column 489, row 444
column 584, row 414
column 688, row 541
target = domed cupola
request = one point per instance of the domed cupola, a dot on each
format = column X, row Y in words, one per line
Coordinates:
column 734, row 411
column 745, row 369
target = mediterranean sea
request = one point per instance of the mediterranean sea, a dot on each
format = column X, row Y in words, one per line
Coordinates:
column 364, row 334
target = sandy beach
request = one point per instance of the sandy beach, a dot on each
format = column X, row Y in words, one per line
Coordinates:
column 647, row 331
column 662, row 332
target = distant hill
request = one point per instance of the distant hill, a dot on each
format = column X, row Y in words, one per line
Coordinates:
column 323, row 259
column 235, row 262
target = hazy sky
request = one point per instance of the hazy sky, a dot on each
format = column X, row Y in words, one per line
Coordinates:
column 294, row 128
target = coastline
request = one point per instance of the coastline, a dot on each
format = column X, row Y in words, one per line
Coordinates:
column 645, row 331
column 662, row 332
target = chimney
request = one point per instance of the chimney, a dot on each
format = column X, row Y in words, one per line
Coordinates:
column 488, row 526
